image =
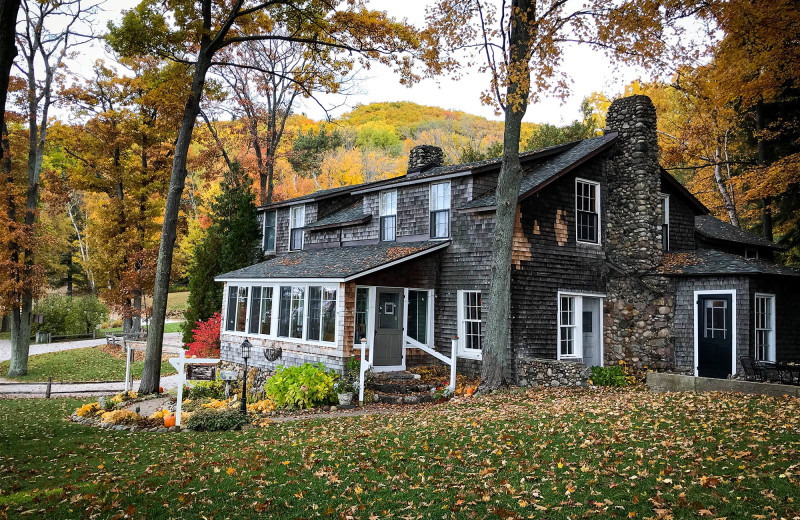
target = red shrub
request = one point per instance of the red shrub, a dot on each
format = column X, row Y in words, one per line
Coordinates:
column 206, row 338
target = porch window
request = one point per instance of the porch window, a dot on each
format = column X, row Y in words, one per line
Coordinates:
column 566, row 326
column 388, row 211
column 362, row 314
column 255, row 309
column 587, row 211
column 440, row 210
column 269, row 231
column 297, row 215
column 417, row 320
column 261, row 310
column 470, row 322
column 765, row 327
column 665, row 223
column 321, row 313
column 292, row 308
column 230, row 318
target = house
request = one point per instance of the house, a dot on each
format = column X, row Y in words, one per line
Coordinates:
column 613, row 259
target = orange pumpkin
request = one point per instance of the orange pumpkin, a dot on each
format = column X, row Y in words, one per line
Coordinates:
column 169, row 420
column 470, row 390
column 160, row 389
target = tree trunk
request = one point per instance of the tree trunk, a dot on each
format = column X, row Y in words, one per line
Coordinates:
column 20, row 338
column 8, row 50
column 498, row 331
column 722, row 186
column 151, row 377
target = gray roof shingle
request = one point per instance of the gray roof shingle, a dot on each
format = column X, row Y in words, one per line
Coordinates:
column 712, row 262
column 337, row 263
column 716, row 229
column 350, row 215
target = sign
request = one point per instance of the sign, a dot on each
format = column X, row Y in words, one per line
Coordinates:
column 228, row 375
column 201, row 372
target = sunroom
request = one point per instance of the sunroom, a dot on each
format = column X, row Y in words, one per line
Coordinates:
column 317, row 306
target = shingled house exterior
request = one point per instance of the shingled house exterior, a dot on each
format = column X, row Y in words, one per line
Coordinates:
column 613, row 259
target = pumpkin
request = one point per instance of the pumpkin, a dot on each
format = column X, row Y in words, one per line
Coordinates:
column 160, row 389
column 169, row 420
column 470, row 390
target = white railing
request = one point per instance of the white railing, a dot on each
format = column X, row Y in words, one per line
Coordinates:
column 364, row 367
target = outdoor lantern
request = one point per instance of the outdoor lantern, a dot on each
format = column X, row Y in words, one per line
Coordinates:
column 246, row 346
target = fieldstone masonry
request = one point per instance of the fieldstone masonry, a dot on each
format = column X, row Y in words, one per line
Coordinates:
column 639, row 307
column 550, row 372
column 425, row 155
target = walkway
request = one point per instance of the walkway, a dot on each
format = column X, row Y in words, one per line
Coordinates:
column 170, row 338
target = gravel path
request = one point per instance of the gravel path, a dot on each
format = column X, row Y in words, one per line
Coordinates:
column 172, row 339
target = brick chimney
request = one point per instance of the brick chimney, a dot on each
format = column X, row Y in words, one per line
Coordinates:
column 424, row 157
column 633, row 216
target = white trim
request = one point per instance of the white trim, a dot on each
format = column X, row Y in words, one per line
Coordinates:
column 274, row 230
column 374, row 312
column 772, row 355
column 449, row 210
column 598, row 210
column 463, row 351
column 398, row 261
column 302, row 234
column 665, row 219
column 579, row 296
column 697, row 294
column 312, row 281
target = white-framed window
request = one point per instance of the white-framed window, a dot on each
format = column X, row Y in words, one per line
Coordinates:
column 388, row 210
column 297, row 215
column 268, row 232
column 765, row 327
column 237, row 309
column 440, row 210
column 470, row 333
column 569, row 345
column 419, row 316
column 361, row 315
column 665, row 222
column 281, row 310
column 587, row 211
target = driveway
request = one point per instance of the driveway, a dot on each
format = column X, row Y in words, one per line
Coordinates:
column 172, row 339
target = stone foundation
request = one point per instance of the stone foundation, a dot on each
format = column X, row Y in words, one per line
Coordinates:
column 551, row 372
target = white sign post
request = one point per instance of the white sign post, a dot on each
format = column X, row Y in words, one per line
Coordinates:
column 180, row 363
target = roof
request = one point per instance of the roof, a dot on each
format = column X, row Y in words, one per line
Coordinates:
column 350, row 215
column 704, row 262
column 680, row 188
column 715, row 229
column 542, row 174
column 340, row 263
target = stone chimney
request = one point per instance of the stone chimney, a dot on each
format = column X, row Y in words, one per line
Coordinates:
column 424, row 157
column 633, row 201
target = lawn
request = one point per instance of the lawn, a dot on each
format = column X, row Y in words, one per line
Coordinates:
column 546, row 454
column 168, row 327
column 81, row 364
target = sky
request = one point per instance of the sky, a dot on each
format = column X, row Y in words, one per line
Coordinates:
column 588, row 70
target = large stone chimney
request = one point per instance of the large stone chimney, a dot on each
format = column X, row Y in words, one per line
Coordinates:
column 633, row 216
column 424, row 157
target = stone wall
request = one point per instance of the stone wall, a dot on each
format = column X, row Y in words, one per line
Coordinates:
column 549, row 372
column 425, row 155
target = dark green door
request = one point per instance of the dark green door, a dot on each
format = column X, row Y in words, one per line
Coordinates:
column 715, row 336
column 389, row 327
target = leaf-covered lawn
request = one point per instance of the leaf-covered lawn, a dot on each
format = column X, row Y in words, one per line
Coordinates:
column 81, row 364
column 549, row 454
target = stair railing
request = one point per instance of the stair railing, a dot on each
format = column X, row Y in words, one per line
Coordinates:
column 452, row 360
column 363, row 368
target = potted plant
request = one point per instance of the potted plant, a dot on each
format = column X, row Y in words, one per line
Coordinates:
column 344, row 390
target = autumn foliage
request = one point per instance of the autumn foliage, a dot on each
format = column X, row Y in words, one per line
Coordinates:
column 206, row 338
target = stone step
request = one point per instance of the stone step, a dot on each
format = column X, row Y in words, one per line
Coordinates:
column 404, row 399
column 395, row 376
column 398, row 387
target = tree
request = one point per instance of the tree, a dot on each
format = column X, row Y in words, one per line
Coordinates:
column 233, row 241
column 550, row 135
column 194, row 33
column 43, row 50
column 8, row 51
column 522, row 45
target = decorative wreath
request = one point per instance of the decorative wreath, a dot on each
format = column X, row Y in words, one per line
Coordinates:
column 272, row 353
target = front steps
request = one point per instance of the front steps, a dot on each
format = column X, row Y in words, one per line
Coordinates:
column 400, row 388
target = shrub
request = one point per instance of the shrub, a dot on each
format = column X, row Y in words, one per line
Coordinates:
column 302, row 386
column 608, row 376
column 206, row 338
column 344, row 386
column 213, row 419
column 120, row 417
column 88, row 410
column 209, row 389
column 69, row 315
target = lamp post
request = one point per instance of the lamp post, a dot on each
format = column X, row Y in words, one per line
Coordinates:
column 246, row 346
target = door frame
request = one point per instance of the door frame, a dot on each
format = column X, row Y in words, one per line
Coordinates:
column 696, row 325
column 578, row 319
column 374, row 312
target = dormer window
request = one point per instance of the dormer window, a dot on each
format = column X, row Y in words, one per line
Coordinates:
column 388, row 215
column 269, row 231
column 587, row 211
column 751, row 254
column 297, row 215
column 440, row 210
column 665, row 222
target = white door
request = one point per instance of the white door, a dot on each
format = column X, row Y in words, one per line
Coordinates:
column 592, row 331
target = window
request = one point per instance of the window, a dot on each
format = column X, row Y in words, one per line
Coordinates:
column 388, row 215
column 269, row 231
column 260, row 310
column 751, row 254
column 362, row 314
column 587, row 211
column 297, row 215
column 765, row 327
column 715, row 326
column 237, row 309
column 321, row 314
column 291, row 310
column 567, row 327
column 440, row 210
column 665, row 222
column 417, row 319
column 469, row 311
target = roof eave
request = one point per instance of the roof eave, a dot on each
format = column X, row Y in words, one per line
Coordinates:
column 337, row 225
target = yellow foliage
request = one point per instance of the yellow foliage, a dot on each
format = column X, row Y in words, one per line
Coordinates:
column 264, row 406
column 88, row 409
column 218, row 403
column 119, row 416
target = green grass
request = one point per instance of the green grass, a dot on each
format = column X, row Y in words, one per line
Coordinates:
column 168, row 327
column 82, row 364
column 550, row 454
column 178, row 301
